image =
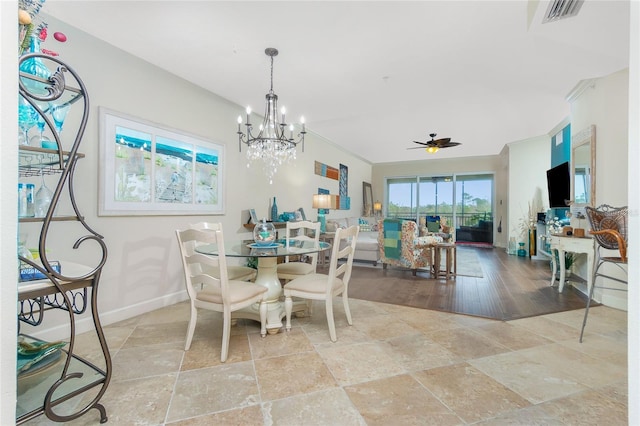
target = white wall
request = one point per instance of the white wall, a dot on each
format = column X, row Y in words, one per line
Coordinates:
column 605, row 105
column 143, row 271
column 633, row 319
column 529, row 161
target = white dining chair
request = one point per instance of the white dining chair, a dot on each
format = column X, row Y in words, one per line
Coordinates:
column 327, row 286
column 215, row 293
column 299, row 231
column 234, row 272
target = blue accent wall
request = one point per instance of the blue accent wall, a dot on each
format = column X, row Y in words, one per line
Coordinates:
column 561, row 153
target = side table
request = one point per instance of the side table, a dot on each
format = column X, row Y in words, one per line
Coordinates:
column 450, row 259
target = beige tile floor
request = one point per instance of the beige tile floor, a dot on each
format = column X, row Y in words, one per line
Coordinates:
column 394, row 366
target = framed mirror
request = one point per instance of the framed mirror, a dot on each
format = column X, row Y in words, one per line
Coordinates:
column 367, row 199
column 583, row 167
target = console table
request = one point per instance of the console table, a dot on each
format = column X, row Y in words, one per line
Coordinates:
column 563, row 244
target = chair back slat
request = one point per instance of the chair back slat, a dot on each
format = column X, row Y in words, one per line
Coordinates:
column 299, row 231
column 606, row 217
column 348, row 235
column 197, row 266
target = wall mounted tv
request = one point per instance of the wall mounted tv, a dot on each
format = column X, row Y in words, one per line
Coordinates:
column 559, row 185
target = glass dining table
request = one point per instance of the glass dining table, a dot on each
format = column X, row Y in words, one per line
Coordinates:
column 267, row 275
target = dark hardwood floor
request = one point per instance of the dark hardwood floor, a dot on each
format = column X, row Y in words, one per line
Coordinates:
column 511, row 287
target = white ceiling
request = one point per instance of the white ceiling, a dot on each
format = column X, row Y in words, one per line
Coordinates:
column 372, row 76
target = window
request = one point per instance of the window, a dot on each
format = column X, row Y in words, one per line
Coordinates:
column 473, row 203
column 402, row 198
column 462, row 200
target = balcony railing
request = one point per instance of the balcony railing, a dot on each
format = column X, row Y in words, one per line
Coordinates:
column 466, row 219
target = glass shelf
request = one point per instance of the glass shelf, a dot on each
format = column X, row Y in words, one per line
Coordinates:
column 53, row 219
column 35, row 161
column 31, row 388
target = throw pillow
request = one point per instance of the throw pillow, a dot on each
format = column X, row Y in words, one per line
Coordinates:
column 433, row 226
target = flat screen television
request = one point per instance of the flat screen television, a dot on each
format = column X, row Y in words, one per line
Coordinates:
column 559, row 185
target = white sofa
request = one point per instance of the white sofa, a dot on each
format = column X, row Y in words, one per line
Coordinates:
column 367, row 244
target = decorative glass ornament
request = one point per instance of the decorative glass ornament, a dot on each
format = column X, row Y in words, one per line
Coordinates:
column 264, row 233
column 36, row 67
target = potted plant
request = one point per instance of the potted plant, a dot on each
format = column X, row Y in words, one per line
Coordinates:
column 569, row 259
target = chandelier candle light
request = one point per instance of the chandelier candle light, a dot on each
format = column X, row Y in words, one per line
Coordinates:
column 271, row 145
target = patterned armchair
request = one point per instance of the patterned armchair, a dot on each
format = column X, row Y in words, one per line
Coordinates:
column 401, row 246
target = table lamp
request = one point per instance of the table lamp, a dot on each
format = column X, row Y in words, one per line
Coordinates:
column 321, row 202
column 377, row 209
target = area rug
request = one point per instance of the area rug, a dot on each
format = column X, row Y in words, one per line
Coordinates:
column 474, row 244
column 468, row 263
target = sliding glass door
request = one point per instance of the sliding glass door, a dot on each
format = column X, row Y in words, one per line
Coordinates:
column 474, row 208
column 436, row 197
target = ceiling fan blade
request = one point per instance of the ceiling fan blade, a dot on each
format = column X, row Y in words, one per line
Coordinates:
column 418, row 147
column 421, row 143
column 441, row 141
column 450, row 144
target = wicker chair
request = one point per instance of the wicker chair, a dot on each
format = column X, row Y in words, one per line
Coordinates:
column 609, row 226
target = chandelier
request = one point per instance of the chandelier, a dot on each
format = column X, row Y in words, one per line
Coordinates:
column 271, row 144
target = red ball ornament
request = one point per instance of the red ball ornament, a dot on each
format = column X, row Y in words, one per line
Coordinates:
column 60, row 37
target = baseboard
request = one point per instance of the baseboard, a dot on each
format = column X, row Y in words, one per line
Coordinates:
column 612, row 299
column 85, row 323
column 615, row 301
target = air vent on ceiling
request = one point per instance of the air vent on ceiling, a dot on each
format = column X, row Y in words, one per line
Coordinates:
column 560, row 9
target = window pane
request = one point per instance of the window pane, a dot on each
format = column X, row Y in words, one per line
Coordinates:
column 473, row 199
column 401, row 198
column 436, row 197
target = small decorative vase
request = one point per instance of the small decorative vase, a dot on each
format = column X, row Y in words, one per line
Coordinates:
column 274, row 211
column 521, row 251
column 264, row 233
column 532, row 242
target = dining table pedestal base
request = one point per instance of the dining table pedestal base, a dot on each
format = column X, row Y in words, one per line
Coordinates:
column 268, row 277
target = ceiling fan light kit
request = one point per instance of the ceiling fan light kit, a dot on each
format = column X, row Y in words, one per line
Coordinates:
column 434, row 144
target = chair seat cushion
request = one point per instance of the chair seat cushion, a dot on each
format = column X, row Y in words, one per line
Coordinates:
column 295, row 268
column 312, row 283
column 239, row 291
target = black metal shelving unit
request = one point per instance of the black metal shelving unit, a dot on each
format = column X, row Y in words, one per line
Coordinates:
column 69, row 385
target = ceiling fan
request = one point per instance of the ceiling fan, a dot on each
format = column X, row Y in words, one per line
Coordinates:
column 434, row 144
